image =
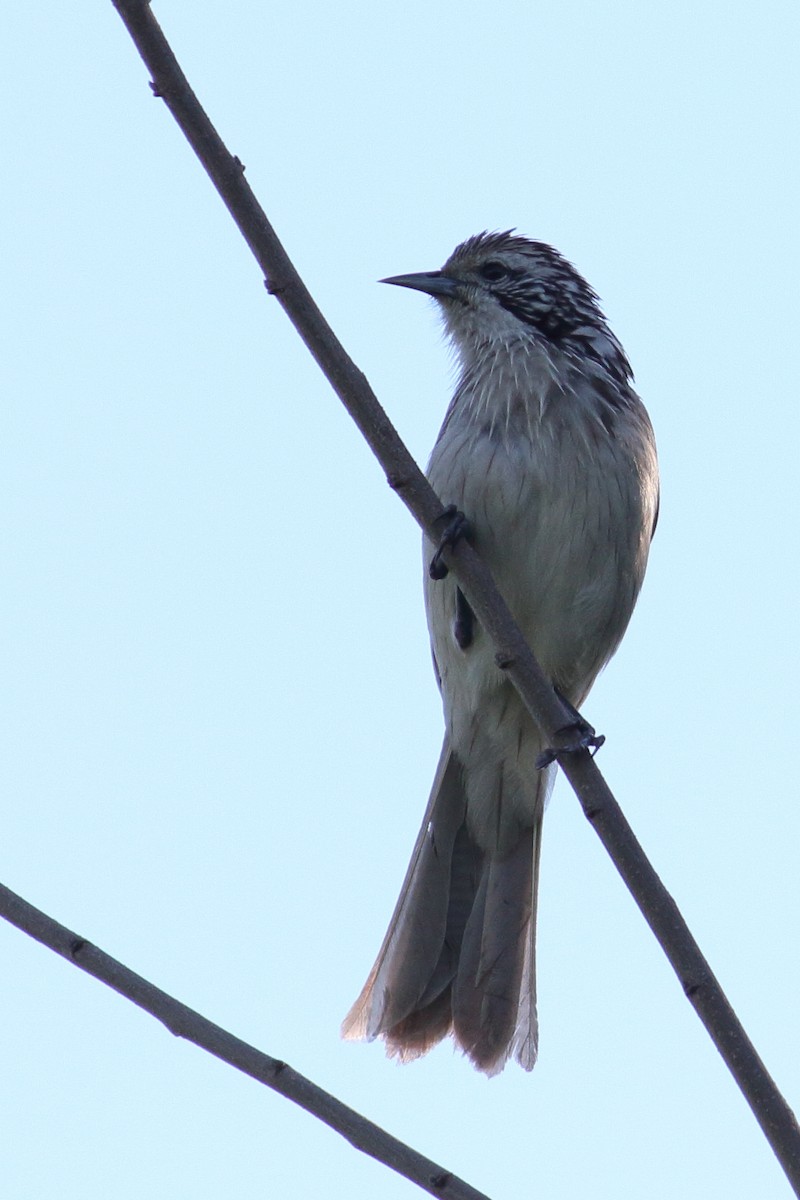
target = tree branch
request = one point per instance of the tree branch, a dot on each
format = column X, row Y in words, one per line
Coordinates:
column 770, row 1109
column 185, row 1023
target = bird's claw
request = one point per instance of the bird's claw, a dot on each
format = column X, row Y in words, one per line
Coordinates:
column 578, row 735
column 456, row 528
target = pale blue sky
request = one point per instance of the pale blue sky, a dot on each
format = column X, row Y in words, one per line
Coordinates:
column 219, row 720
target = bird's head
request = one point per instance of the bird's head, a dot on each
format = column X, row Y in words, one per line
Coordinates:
column 502, row 288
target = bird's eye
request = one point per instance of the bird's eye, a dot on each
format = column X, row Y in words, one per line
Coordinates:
column 493, row 271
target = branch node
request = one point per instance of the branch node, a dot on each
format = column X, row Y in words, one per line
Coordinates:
column 397, row 481
column 76, row 946
column 272, row 287
column 237, row 162
column 442, row 1180
column 504, row 661
column 691, row 986
column 154, row 89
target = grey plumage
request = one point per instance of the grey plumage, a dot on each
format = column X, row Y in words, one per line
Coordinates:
column 549, row 452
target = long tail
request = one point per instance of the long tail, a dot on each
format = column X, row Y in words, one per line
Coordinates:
column 459, row 954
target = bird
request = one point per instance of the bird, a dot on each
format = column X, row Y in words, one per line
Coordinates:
column 549, row 454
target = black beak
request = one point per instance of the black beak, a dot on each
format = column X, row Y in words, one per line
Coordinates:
column 434, row 283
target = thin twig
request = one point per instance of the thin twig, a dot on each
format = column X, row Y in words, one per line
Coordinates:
column 513, row 656
column 186, row 1023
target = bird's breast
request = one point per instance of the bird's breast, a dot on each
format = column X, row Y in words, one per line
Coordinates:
column 558, row 507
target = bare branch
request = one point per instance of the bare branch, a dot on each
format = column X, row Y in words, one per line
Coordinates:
column 184, row 1022
column 773, row 1114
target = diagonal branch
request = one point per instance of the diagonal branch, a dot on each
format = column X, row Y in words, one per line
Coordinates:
column 184, row 1022
column 770, row 1109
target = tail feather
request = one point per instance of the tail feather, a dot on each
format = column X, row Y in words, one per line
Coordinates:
column 459, row 953
column 413, row 944
column 487, row 992
column 465, row 874
column 525, row 1043
column 419, row 1032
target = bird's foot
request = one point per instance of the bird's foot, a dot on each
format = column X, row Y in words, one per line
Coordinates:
column 456, row 528
column 577, row 734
